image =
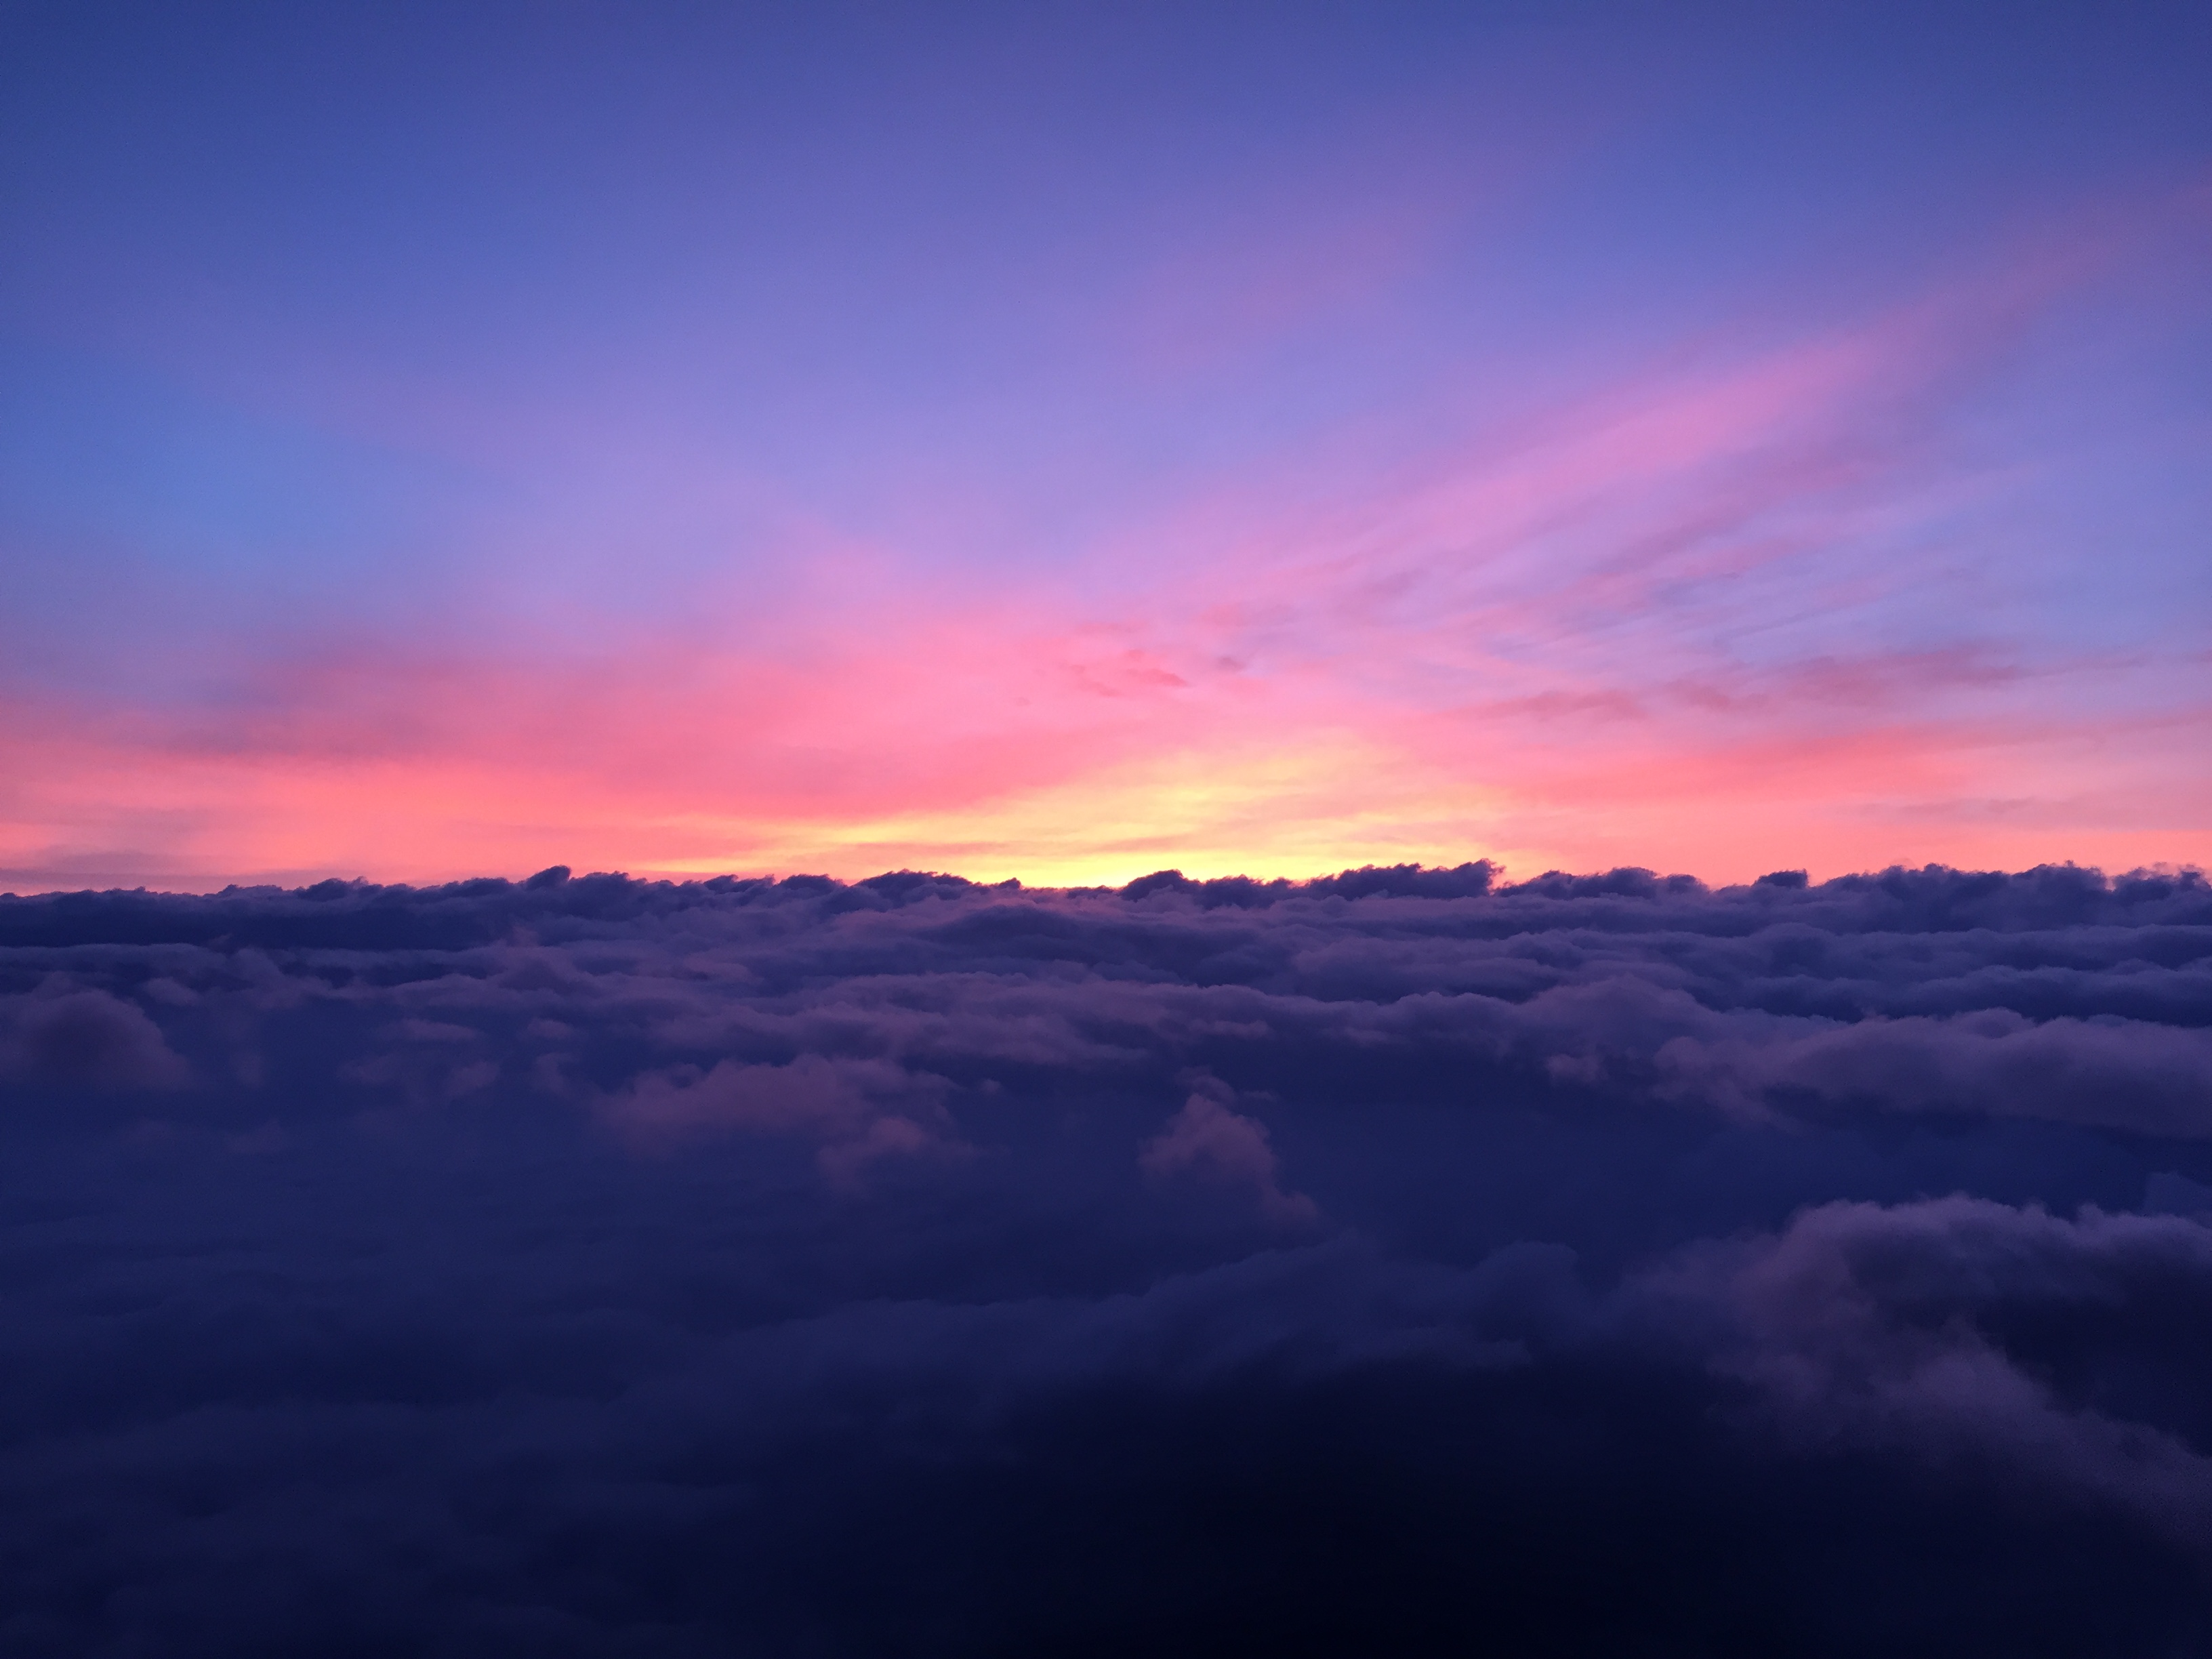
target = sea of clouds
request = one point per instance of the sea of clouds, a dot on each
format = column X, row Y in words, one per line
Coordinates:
column 1401, row 1262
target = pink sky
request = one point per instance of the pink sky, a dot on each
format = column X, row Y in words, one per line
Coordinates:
column 1560, row 490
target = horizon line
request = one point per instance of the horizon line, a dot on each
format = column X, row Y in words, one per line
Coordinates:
column 1484, row 877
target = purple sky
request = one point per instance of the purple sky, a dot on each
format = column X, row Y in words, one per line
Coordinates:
column 1068, row 444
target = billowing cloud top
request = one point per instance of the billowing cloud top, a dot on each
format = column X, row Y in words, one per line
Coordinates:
column 1400, row 1262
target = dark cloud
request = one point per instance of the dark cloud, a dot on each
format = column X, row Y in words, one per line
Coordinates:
column 2061, row 1354
column 68, row 1038
column 1402, row 1263
column 1206, row 1139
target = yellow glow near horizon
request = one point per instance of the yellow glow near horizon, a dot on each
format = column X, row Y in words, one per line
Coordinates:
column 1280, row 811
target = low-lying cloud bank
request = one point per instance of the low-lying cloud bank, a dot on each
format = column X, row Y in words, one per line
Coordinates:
column 1400, row 1262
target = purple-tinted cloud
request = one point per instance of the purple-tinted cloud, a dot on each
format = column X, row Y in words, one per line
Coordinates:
column 624, row 1265
column 1957, row 1329
column 64, row 1037
column 1206, row 1139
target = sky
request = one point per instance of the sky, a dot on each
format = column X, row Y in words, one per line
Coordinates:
column 1066, row 442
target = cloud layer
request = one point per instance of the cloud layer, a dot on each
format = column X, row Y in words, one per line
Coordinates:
column 1399, row 1261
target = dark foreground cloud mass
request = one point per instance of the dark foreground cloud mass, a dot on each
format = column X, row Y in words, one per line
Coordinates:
column 1401, row 1263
